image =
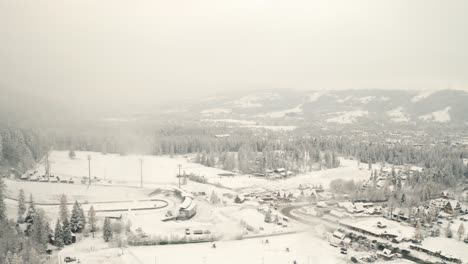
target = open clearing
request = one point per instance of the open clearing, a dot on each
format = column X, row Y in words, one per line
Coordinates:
column 158, row 170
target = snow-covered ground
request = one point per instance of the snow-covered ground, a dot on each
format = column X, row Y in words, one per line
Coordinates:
column 274, row 128
column 215, row 111
column 315, row 96
column 347, row 117
column 421, row 95
column 44, row 192
column 304, row 248
column 449, row 246
column 392, row 227
column 158, row 170
column 398, row 115
column 231, row 121
column 283, row 113
column 441, row 116
column 347, row 98
column 366, row 99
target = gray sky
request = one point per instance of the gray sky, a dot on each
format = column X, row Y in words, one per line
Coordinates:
column 126, row 52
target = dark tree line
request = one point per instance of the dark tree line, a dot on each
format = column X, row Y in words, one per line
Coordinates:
column 21, row 148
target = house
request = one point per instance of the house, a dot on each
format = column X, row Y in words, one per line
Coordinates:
column 446, row 195
column 322, row 204
column 280, row 170
column 438, row 203
column 386, row 254
column 336, row 238
column 452, row 206
column 337, row 214
column 239, row 199
column 187, row 209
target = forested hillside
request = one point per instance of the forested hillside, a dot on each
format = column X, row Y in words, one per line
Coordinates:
column 20, row 148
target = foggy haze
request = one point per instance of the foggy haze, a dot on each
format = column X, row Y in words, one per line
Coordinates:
column 148, row 52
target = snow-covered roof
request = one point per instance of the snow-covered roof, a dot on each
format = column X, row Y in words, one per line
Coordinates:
column 186, row 203
column 339, row 234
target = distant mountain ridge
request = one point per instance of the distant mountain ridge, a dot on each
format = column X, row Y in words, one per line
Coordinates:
column 340, row 107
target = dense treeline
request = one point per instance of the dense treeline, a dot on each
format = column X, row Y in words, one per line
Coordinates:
column 21, row 148
column 22, row 241
column 247, row 151
column 243, row 150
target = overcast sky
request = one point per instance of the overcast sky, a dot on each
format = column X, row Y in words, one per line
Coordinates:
column 126, row 52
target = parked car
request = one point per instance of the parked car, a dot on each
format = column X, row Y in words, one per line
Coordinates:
column 187, row 231
column 69, row 259
column 380, row 225
column 344, row 251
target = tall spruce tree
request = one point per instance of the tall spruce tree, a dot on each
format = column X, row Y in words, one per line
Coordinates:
column 83, row 217
column 76, row 221
column 63, row 210
column 32, row 213
column 66, row 232
column 107, row 230
column 21, row 206
column 58, row 236
column 92, row 220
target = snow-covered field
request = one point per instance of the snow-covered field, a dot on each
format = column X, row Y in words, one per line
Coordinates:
column 304, row 248
column 398, row 115
column 422, row 95
column 392, row 227
column 215, row 111
column 449, row 246
column 159, row 170
column 441, row 116
column 347, row 117
column 283, row 113
column 44, row 192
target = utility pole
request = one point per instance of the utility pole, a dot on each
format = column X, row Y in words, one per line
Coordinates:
column 179, row 175
column 47, row 166
column 141, row 173
column 89, row 170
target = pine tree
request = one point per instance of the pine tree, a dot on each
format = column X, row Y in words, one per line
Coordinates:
column 76, row 221
column 268, row 217
column 214, row 199
column 39, row 232
column 66, row 232
column 71, row 154
column 32, row 213
column 63, row 210
column 403, row 199
column 3, row 213
column 92, row 219
column 418, row 232
column 58, row 236
column 107, row 230
column 21, row 206
column 461, row 231
column 448, row 231
column 83, row 217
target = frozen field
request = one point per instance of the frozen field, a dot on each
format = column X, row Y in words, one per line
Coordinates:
column 304, row 248
column 44, row 192
column 125, row 170
column 392, row 227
